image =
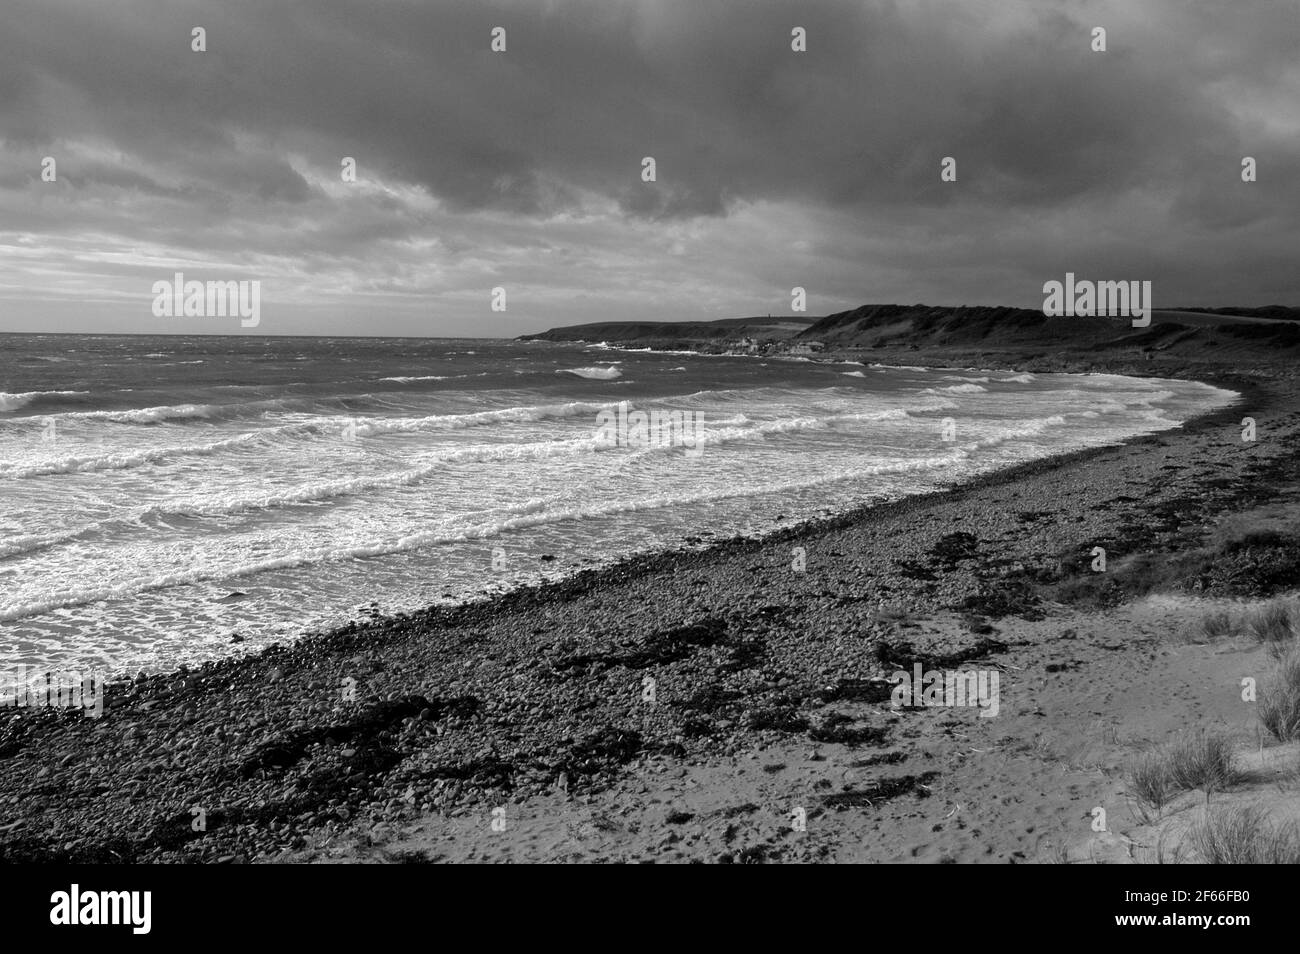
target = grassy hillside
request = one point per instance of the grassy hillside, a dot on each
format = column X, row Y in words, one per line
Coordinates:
column 1194, row 334
column 1001, row 328
column 646, row 332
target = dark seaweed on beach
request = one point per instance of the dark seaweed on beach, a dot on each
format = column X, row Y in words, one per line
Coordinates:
column 903, row 655
column 284, row 751
column 602, row 751
column 671, row 645
column 881, row 791
column 484, row 773
column 845, row 735
column 695, row 727
column 659, row 648
column 710, row 699
column 885, row 758
column 838, row 728
column 1003, row 598
column 753, row 855
column 855, row 690
column 915, row 570
column 955, row 547
column 779, row 718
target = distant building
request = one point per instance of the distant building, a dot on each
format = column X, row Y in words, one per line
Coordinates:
column 806, row 347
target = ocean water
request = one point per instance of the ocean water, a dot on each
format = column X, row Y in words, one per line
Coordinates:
column 162, row 495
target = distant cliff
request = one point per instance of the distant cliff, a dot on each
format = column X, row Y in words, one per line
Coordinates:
column 992, row 327
column 986, row 327
column 1272, row 312
column 654, row 333
column 872, row 325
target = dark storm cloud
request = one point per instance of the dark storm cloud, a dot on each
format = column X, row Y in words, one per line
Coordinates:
column 826, row 162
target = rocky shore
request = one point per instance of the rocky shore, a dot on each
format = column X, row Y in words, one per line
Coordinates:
column 687, row 705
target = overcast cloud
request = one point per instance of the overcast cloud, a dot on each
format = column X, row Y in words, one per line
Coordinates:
column 523, row 169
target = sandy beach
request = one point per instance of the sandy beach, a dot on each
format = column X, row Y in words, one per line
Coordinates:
column 731, row 704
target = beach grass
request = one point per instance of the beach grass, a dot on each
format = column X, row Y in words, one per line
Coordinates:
column 1244, row 835
column 1279, row 699
column 1200, row 761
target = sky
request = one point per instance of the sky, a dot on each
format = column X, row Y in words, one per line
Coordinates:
column 523, row 169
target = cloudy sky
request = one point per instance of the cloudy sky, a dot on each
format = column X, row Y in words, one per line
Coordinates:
column 522, row 169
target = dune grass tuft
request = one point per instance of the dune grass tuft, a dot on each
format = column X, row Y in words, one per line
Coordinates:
column 1149, row 781
column 1218, row 624
column 1275, row 623
column 1272, row 623
column 1279, row 699
column 1202, row 761
column 1245, row 836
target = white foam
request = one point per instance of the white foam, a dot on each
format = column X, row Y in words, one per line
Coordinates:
column 1026, row 431
column 145, row 415
column 326, row 490
column 531, row 516
column 12, row 402
column 595, row 374
column 37, row 541
column 335, row 427
column 127, row 459
column 957, row 389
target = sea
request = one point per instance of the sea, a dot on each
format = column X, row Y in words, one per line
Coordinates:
column 169, row 500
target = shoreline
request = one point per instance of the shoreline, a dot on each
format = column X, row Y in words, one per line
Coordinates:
column 423, row 739
column 685, row 545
